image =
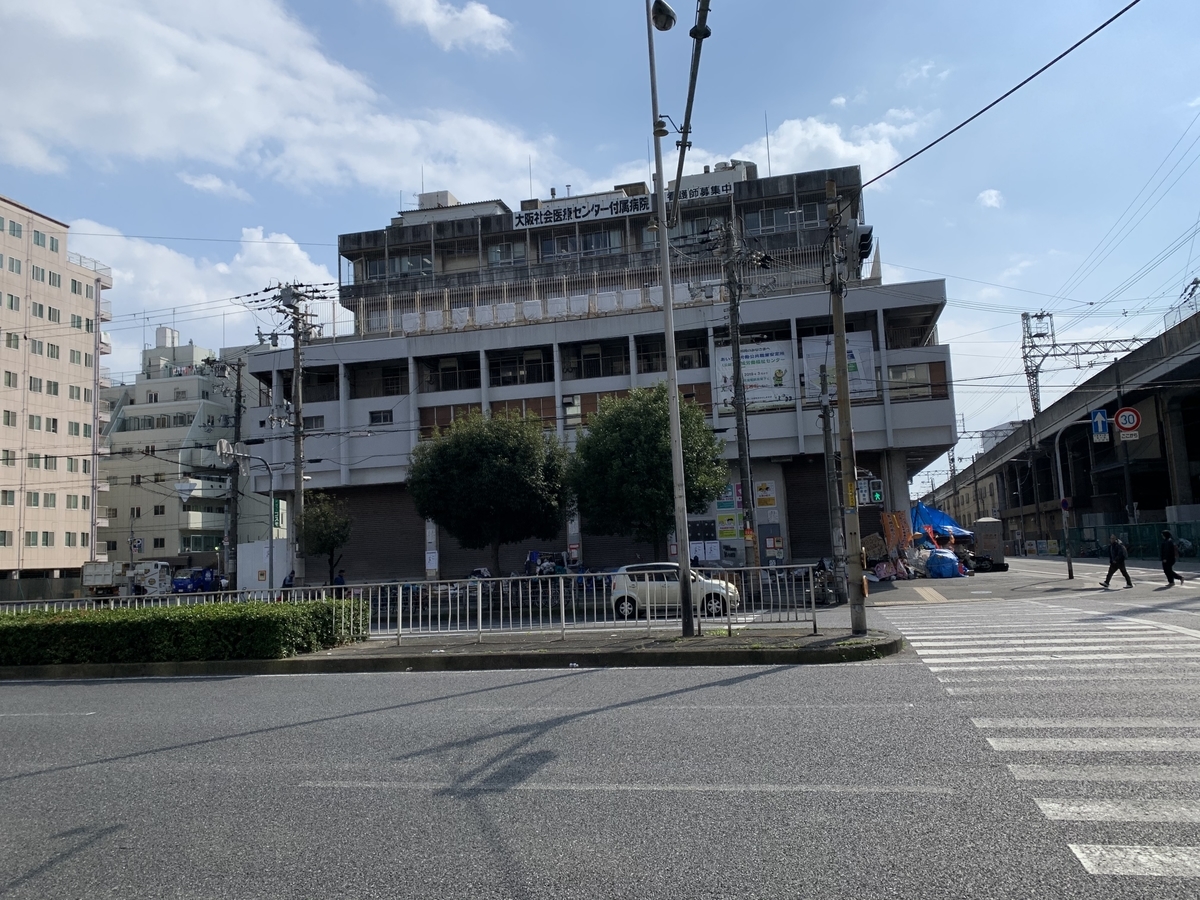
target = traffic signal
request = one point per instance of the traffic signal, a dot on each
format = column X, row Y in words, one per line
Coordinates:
column 859, row 239
column 875, row 489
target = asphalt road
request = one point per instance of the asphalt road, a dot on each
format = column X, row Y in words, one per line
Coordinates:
column 1034, row 734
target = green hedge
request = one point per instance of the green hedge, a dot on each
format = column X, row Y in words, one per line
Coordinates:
column 174, row 633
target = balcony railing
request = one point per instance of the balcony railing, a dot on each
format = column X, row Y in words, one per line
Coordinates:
column 105, row 377
column 106, row 313
column 580, row 290
column 86, row 262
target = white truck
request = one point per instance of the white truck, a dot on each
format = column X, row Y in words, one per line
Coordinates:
column 122, row 579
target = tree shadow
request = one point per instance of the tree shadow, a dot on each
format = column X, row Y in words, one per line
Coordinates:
column 90, row 836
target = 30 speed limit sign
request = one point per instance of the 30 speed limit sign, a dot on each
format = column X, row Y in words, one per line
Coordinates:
column 1128, row 421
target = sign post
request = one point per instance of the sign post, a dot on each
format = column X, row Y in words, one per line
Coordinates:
column 1099, row 426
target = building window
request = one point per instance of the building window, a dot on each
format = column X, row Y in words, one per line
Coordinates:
column 151, row 396
column 160, row 510
column 8, row 498
column 10, row 379
column 314, row 423
column 73, row 429
column 10, row 418
column 87, row 432
column 76, row 288
column 52, row 314
column 6, row 539
column 53, row 351
column 87, row 395
column 87, row 467
column 8, row 458
column 507, row 254
column 110, row 545
column 85, row 501
column 47, row 538
column 89, row 293
column 135, row 479
column 160, row 543
column 55, row 281
column 49, row 462
column 381, row 417
column 72, row 501
column 181, row 395
column 35, row 422
column 31, row 498
column 73, row 390
column 33, row 461
column 531, row 366
column 12, row 341
column 69, row 539
column 53, row 245
column 14, row 303
column 52, row 388
column 77, row 321
column 31, row 539
column 14, row 228
column 14, row 265
column 35, row 384
column 36, row 347
column 50, row 501
column 52, row 425
column 135, row 512
column 84, row 538
column 87, row 360
column 39, row 239
column 72, row 464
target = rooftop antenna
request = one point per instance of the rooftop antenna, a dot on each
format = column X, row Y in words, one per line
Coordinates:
column 767, row 130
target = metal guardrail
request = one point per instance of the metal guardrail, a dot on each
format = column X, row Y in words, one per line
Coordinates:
column 576, row 601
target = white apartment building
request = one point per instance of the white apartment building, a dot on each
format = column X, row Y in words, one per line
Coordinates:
column 50, row 349
column 168, row 496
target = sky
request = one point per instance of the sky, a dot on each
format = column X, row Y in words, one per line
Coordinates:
column 206, row 151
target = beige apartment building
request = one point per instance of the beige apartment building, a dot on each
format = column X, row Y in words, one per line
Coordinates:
column 50, row 348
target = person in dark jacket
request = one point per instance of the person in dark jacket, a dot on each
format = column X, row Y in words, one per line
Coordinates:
column 1117, row 554
column 1168, row 554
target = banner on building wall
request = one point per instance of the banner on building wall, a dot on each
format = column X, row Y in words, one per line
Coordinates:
column 587, row 208
column 860, row 356
column 768, row 371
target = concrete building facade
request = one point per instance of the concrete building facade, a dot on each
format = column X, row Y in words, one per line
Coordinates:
column 51, row 344
column 476, row 307
column 168, row 495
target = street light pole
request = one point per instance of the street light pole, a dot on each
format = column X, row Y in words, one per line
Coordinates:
column 659, row 15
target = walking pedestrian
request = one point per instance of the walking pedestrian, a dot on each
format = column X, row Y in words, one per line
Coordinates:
column 1168, row 553
column 339, row 582
column 1117, row 554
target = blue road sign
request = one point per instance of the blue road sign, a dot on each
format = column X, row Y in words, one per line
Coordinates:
column 1099, row 421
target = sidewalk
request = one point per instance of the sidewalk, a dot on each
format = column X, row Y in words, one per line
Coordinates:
column 602, row 648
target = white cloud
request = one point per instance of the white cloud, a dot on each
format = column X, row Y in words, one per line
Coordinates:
column 213, row 184
column 991, row 199
column 450, row 26
column 916, row 71
column 156, row 285
column 232, row 84
column 838, row 101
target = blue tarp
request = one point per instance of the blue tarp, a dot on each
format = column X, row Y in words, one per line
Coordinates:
column 942, row 564
column 942, row 524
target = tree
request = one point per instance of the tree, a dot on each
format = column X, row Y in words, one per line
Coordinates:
column 326, row 527
column 621, row 472
column 492, row 481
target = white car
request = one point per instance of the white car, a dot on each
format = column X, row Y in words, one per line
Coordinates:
column 655, row 586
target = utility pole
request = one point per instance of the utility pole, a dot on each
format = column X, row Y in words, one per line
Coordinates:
column 854, row 569
column 1129, row 508
column 833, row 495
column 733, row 283
column 234, row 485
column 289, row 298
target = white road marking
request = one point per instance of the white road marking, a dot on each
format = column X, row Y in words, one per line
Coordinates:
column 1063, row 658
column 41, row 714
column 1120, row 810
column 1001, row 679
column 1086, row 723
column 1069, row 772
column 1096, row 745
column 1059, row 664
column 1040, row 644
column 1101, row 859
column 931, row 595
column 485, row 785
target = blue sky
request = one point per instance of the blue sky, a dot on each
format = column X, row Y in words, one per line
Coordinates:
column 238, row 139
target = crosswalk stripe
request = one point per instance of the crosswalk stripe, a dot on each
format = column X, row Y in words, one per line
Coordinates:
column 1069, row 638
column 1000, row 679
column 1028, row 633
column 1058, row 654
column 1085, row 723
column 1120, row 810
column 1007, row 688
column 1068, row 772
column 1101, row 859
column 1096, row 745
column 1057, row 664
column 930, row 652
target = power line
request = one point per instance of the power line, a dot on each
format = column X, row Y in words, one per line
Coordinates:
column 1003, row 96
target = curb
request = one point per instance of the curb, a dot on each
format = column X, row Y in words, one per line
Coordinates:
column 465, row 662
